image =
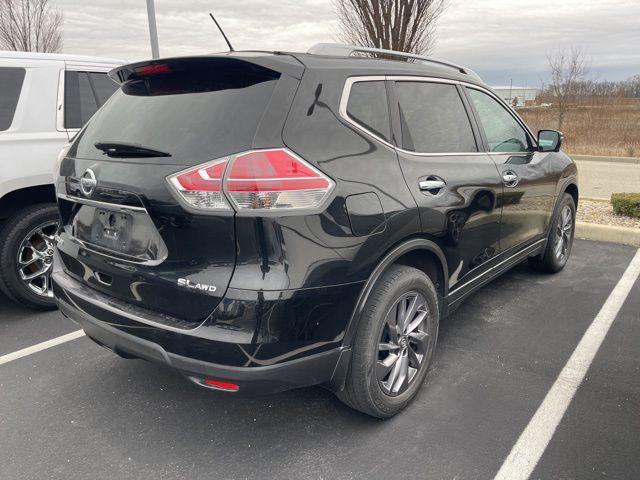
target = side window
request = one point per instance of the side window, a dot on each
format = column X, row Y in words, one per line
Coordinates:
column 503, row 132
column 11, row 80
column 104, row 86
column 368, row 106
column 433, row 118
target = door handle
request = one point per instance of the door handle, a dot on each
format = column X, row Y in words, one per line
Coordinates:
column 510, row 178
column 431, row 186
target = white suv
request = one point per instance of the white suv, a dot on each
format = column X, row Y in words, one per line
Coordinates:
column 45, row 99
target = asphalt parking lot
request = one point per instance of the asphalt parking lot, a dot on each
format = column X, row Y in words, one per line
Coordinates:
column 76, row 411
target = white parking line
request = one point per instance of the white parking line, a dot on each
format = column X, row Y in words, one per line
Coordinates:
column 41, row 346
column 533, row 441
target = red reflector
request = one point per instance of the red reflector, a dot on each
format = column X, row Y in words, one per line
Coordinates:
column 232, row 387
column 153, row 69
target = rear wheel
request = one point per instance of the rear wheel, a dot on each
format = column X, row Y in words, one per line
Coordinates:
column 394, row 343
column 26, row 255
column 560, row 239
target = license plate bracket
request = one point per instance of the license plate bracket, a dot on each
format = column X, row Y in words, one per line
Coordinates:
column 112, row 230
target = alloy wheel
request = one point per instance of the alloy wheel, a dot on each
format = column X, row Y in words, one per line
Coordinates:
column 35, row 259
column 403, row 343
column 563, row 233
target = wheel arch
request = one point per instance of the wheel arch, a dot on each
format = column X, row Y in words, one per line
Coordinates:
column 572, row 189
column 23, row 197
column 423, row 254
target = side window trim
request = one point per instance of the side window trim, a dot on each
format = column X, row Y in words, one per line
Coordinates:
column 344, row 102
column 508, row 109
column 390, row 79
column 60, row 104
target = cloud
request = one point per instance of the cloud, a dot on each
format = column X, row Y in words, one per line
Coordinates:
column 503, row 37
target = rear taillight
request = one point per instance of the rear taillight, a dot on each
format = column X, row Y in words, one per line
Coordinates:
column 201, row 187
column 258, row 180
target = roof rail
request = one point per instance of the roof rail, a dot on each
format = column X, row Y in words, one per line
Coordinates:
column 341, row 50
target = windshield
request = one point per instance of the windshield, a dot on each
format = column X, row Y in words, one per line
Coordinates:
column 196, row 112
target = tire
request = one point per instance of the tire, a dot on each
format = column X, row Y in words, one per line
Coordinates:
column 367, row 388
column 25, row 222
column 556, row 254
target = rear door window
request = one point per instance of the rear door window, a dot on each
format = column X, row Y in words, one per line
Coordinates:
column 367, row 106
column 11, row 80
column 433, row 118
column 84, row 93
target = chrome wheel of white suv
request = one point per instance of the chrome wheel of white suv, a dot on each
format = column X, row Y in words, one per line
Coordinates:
column 35, row 258
column 26, row 255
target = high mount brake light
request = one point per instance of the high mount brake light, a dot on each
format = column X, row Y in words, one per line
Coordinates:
column 152, row 69
column 258, row 180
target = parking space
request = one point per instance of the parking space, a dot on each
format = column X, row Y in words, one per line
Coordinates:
column 76, row 411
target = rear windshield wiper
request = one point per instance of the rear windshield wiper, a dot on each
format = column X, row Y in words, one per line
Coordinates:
column 123, row 149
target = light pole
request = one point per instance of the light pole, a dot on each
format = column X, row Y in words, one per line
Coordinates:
column 153, row 30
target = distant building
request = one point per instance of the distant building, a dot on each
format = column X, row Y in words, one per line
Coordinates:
column 516, row 96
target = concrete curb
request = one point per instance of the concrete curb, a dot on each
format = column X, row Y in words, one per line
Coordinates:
column 594, row 199
column 604, row 158
column 608, row 233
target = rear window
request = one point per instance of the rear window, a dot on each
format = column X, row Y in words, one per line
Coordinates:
column 84, row 93
column 368, row 106
column 433, row 118
column 10, row 85
column 196, row 111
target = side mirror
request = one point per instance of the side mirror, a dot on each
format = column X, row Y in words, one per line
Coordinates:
column 550, row 140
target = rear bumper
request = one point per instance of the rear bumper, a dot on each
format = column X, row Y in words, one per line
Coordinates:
column 131, row 336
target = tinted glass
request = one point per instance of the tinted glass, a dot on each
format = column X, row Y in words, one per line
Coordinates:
column 433, row 118
column 79, row 100
column 10, row 85
column 199, row 112
column 368, row 106
column 103, row 85
column 503, row 132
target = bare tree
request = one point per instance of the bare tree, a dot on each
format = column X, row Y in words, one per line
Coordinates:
column 568, row 70
column 30, row 26
column 404, row 25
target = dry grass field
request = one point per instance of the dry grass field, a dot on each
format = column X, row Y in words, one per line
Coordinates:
column 612, row 129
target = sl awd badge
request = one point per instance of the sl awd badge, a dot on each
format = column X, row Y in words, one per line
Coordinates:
column 183, row 282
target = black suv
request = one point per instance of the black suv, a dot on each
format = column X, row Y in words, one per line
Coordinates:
column 264, row 221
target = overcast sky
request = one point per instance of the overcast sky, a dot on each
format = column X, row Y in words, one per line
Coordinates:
column 500, row 39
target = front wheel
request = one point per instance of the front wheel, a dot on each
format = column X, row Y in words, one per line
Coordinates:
column 560, row 238
column 26, row 255
column 394, row 343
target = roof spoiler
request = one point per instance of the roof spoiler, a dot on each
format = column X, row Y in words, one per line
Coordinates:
column 255, row 62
